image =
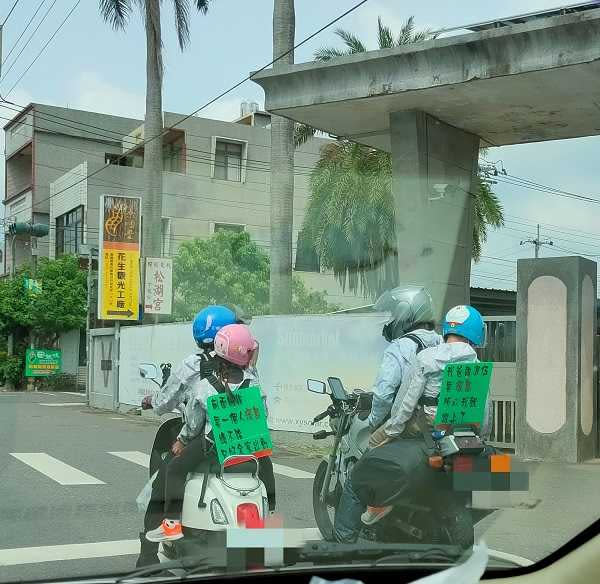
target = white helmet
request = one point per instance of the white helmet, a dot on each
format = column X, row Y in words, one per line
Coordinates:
column 409, row 306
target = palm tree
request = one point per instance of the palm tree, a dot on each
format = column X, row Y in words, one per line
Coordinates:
column 117, row 13
column 350, row 219
column 282, row 170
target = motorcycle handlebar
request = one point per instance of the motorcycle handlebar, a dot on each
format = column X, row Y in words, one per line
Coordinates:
column 320, row 416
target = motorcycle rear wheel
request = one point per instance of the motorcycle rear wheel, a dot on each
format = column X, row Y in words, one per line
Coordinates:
column 325, row 510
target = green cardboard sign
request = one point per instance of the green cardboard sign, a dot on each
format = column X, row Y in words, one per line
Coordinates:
column 463, row 394
column 239, row 425
column 42, row 362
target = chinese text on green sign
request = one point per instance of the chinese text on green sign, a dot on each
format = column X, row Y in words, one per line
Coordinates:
column 239, row 424
column 463, row 393
column 42, row 362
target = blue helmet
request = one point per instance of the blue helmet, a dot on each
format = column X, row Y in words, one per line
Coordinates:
column 209, row 320
column 467, row 322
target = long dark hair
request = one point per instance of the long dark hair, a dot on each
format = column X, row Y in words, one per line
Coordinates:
column 226, row 372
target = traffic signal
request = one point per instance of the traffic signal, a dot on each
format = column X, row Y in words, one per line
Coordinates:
column 35, row 229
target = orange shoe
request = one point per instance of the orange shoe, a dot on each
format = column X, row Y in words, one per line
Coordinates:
column 168, row 530
column 374, row 514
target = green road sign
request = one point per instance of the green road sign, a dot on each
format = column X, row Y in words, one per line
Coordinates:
column 239, row 425
column 42, row 362
column 463, row 394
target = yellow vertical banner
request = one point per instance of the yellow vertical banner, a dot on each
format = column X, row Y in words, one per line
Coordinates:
column 119, row 279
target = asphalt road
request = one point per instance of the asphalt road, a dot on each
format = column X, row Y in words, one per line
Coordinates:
column 36, row 510
column 62, row 485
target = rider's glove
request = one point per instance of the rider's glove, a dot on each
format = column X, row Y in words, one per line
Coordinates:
column 147, row 402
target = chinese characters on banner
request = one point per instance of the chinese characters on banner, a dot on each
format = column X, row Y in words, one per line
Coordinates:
column 42, row 362
column 158, row 289
column 239, row 426
column 463, row 394
column 119, row 279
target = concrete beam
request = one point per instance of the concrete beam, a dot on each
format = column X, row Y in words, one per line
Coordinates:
column 516, row 84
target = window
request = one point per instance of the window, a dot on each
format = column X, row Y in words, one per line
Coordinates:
column 232, row 227
column 174, row 155
column 69, row 232
column 228, row 160
column 136, row 161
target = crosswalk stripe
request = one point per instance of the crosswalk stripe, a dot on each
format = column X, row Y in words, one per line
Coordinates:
column 55, row 469
column 293, row 473
column 62, row 404
column 75, row 551
column 106, row 549
column 134, row 456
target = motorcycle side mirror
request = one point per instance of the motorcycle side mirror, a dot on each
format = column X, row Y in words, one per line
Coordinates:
column 148, row 371
column 316, row 386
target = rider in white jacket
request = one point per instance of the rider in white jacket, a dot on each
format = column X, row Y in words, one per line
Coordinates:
column 463, row 329
column 409, row 330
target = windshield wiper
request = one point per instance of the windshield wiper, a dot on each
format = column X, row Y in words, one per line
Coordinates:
column 187, row 563
column 377, row 553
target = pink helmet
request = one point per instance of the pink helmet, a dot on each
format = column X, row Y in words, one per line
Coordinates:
column 235, row 344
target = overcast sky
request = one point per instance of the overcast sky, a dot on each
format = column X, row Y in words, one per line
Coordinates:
column 90, row 66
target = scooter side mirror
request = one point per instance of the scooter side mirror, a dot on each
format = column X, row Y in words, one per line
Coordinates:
column 148, row 371
column 316, row 386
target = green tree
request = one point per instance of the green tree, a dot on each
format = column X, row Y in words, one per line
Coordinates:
column 60, row 306
column 118, row 13
column 350, row 219
column 229, row 268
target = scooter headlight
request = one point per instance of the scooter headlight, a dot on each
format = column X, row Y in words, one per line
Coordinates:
column 217, row 513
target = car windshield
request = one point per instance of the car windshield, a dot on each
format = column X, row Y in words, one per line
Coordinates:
column 315, row 281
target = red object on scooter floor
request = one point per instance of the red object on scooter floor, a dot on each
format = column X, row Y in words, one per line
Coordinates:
column 248, row 516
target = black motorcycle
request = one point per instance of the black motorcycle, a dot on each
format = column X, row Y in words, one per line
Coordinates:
column 427, row 507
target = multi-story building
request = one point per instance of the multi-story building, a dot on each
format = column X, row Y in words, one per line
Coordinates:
column 216, row 176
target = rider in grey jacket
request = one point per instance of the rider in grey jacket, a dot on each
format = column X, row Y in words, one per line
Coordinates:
column 409, row 330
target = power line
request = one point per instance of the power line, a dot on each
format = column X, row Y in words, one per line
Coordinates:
column 45, row 45
column 10, row 12
column 232, row 88
column 26, row 43
column 23, row 32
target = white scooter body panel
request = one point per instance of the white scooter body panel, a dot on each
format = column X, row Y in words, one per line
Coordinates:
column 229, row 499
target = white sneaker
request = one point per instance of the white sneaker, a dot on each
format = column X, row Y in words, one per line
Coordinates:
column 168, row 530
column 374, row 514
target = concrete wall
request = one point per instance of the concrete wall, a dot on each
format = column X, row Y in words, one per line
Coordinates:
column 556, row 377
column 19, row 175
column 18, row 134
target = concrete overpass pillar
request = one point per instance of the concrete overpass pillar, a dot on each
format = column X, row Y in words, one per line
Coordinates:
column 434, row 168
column 556, row 385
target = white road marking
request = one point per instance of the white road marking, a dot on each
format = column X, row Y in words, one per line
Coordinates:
column 79, row 393
column 107, row 549
column 55, row 469
column 293, row 473
column 126, row 547
column 118, row 418
column 76, row 551
column 519, row 560
column 62, row 404
column 134, row 456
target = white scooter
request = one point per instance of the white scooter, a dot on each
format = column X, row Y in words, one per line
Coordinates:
column 217, row 496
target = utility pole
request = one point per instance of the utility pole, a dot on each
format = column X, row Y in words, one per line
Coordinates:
column 537, row 242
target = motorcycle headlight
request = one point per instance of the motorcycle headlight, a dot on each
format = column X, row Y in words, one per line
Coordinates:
column 217, row 513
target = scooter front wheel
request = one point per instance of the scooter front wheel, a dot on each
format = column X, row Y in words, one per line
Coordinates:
column 325, row 510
